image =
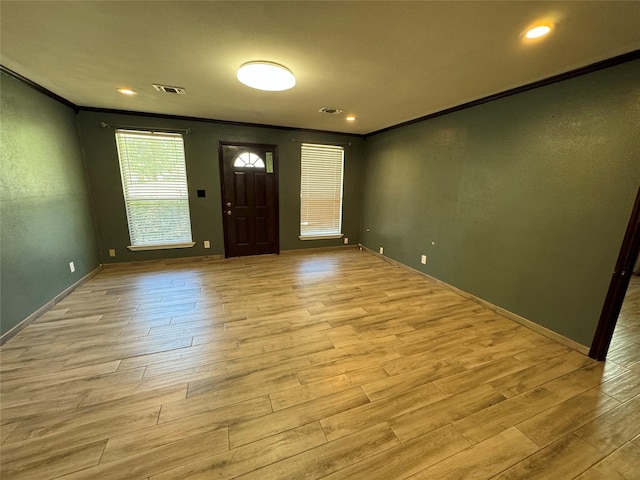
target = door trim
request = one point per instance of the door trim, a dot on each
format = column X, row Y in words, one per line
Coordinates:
column 276, row 174
column 618, row 286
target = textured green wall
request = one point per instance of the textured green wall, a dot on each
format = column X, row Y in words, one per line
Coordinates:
column 203, row 172
column 45, row 216
column 526, row 198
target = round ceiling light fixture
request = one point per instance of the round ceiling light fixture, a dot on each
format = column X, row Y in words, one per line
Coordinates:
column 268, row 76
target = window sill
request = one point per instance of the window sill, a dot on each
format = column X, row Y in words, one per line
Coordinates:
column 137, row 248
column 321, row 237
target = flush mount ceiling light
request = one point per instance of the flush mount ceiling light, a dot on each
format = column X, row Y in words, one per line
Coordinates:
column 127, row 91
column 538, row 31
column 266, row 76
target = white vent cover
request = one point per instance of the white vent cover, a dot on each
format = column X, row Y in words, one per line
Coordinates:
column 168, row 89
column 332, row 111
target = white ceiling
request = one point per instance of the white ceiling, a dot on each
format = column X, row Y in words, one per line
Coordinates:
column 386, row 62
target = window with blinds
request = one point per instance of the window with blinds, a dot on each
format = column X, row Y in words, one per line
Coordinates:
column 321, row 191
column 154, row 180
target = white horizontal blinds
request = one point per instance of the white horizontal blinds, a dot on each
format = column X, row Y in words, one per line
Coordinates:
column 154, row 180
column 321, row 190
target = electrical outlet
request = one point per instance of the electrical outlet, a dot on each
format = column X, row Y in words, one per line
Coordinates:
column 207, row 244
column 112, row 252
column 346, row 240
column 381, row 251
column 72, row 267
column 423, row 260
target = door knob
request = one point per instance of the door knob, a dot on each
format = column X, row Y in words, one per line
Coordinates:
column 228, row 212
column 228, row 204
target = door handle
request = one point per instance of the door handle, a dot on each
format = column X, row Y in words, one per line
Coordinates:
column 228, row 204
column 228, row 212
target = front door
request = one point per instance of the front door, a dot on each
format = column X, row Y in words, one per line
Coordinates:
column 249, row 198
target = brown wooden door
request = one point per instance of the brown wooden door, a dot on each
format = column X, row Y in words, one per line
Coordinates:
column 249, row 199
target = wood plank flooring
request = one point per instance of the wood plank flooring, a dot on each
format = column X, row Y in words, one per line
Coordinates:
column 308, row 365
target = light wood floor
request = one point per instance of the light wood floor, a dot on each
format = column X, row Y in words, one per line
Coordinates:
column 333, row 365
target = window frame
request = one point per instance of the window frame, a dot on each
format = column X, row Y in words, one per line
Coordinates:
column 315, row 153
column 126, row 163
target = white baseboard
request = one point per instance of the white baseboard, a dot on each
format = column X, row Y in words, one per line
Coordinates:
column 499, row 310
column 47, row 306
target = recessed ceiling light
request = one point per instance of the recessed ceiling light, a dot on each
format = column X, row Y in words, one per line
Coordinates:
column 127, row 91
column 538, row 31
column 266, row 76
column 351, row 118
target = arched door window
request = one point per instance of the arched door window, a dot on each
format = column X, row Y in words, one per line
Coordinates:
column 248, row 159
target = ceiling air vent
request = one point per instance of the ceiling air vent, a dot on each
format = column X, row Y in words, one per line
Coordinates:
column 332, row 111
column 168, row 89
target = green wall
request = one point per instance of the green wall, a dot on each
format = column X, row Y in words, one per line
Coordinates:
column 203, row 172
column 526, row 198
column 45, row 214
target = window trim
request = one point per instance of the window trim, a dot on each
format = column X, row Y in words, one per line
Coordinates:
column 179, row 243
column 166, row 246
column 320, row 235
